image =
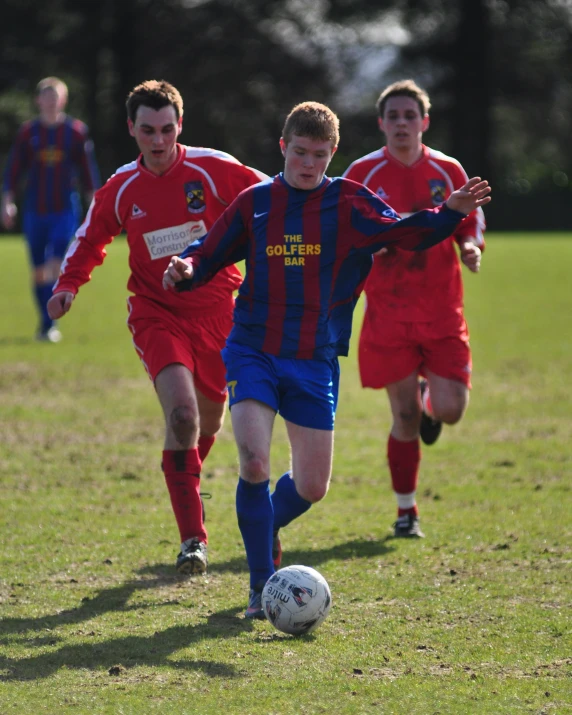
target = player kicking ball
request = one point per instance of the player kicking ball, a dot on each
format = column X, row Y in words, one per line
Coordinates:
column 308, row 242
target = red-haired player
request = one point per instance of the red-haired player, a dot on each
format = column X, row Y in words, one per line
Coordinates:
column 308, row 242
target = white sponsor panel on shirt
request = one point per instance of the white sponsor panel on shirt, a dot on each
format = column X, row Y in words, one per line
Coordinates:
column 173, row 240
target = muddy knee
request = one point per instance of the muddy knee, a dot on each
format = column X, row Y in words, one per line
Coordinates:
column 184, row 424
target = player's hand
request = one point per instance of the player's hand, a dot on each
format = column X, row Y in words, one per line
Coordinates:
column 59, row 304
column 471, row 256
column 9, row 213
column 473, row 194
column 178, row 270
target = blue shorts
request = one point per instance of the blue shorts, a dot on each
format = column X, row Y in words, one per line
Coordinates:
column 304, row 392
column 48, row 235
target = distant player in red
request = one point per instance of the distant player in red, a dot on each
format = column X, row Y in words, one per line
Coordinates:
column 414, row 340
column 165, row 200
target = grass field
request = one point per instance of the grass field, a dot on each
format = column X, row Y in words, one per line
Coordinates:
column 475, row 618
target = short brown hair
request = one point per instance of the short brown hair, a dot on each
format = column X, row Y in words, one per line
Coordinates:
column 312, row 120
column 54, row 83
column 155, row 94
column 404, row 88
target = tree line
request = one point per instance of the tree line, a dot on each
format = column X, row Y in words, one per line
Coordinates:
column 499, row 73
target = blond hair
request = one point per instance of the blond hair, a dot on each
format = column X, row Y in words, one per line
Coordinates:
column 53, row 83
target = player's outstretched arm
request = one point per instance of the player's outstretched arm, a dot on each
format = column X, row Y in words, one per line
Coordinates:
column 59, row 304
column 178, row 270
column 473, row 194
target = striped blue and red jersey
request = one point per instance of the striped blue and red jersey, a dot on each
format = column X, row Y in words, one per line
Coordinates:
column 307, row 255
column 50, row 162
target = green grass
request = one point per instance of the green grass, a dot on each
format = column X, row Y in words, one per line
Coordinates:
column 473, row 619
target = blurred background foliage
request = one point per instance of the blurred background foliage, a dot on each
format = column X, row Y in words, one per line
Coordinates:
column 499, row 73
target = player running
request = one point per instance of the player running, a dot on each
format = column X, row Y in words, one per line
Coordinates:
column 167, row 198
column 308, row 241
column 414, row 324
column 50, row 156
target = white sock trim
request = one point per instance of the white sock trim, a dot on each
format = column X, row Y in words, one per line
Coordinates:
column 405, row 501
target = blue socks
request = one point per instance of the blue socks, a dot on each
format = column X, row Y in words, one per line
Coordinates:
column 287, row 503
column 43, row 293
column 259, row 515
column 255, row 521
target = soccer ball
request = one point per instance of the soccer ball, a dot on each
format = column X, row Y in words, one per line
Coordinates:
column 296, row 599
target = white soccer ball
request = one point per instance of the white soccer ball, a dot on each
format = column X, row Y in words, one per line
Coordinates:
column 296, row 599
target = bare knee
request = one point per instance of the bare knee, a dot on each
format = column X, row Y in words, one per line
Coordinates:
column 211, row 424
column 406, row 419
column 253, row 467
column 313, row 492
column 211, row 415
column 184, row 424
column 450, row 410
column 450, row 414
column 409, row 414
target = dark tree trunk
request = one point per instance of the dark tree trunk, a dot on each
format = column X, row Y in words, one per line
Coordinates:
column 472, row 87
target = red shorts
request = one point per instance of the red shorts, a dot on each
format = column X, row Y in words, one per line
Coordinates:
column 161, row 338
column 389, row 350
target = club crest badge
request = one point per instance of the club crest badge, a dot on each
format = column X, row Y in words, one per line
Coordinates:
column 195, row 195
column 438, row 189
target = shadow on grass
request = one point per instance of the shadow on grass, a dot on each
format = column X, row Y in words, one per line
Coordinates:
column 109, row 599
column 153, row 650
column 354, row 549
column 135, row 651
column 19, row 340
column 116, row 599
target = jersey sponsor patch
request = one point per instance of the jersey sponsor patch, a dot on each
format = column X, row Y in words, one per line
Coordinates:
column 136, row 212
column 164, row 242
column 50, row 156
column 195, row 193
column 438, row 189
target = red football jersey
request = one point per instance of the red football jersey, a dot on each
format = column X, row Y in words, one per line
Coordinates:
column 419, row 286
column 161, row 215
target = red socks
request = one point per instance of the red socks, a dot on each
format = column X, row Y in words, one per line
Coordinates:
column 404, row 459
column 204, row 447
column 182, row 469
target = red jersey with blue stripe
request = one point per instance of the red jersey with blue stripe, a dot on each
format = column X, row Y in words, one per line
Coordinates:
column 307, row 256
column 51, row 160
